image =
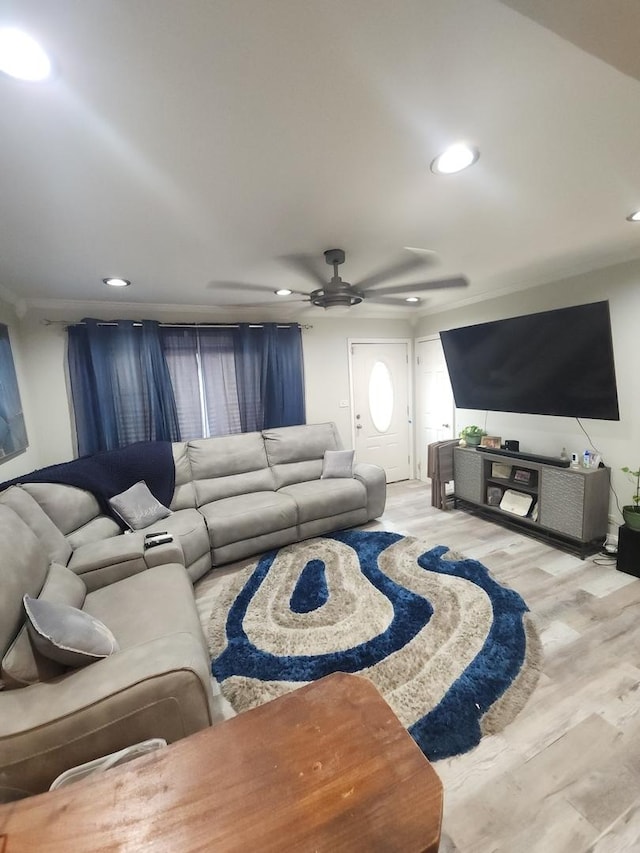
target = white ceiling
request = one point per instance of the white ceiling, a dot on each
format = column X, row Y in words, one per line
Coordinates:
column 185, row 143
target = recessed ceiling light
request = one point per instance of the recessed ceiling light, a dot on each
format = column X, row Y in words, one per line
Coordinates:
column 456, row 158
column 116, row 282
column 412, row 299
column 634, row 217
column 283, row 292
column 21, row 56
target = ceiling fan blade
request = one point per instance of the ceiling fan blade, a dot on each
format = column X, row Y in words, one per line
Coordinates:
column 398, row 268
column 307, row 266
column 398, row 301
column 418, row 287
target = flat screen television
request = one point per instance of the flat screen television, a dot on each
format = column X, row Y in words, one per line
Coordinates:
column 556, row 362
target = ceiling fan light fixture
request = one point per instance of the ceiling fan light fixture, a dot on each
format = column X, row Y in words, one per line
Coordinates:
column 344, row 298
column 283, row 291
column 454, row 159
column 22, row 57
column 634, row 217
column 412, row 299
column 116, row 282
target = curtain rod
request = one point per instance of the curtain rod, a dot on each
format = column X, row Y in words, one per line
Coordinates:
column 67, row 323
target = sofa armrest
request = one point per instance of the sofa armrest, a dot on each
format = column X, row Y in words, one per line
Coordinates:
column 109, row 560
column 374, row 479
column 157, row 689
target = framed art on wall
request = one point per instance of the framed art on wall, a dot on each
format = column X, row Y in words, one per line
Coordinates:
column 13, row 432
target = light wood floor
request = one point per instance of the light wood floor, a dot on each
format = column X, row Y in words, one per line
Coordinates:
column 564, row 776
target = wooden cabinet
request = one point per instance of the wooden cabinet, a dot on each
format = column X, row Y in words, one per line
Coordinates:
column 567, row 506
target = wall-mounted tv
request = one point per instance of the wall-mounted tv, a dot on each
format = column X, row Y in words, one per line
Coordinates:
column 556, row 362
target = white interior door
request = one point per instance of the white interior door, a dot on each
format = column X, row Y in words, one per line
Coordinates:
column 434, row 399
column 381, row 417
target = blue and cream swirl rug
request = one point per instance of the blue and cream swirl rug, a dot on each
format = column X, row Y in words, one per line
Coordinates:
column 454, row 653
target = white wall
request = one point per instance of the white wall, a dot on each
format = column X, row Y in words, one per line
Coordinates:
column 618, row 441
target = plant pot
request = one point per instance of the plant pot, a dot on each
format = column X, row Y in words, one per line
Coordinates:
column 472, row 440
column 631, row 515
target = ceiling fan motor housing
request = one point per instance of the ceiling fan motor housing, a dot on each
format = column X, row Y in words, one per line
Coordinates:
column 334, row 256
column 344, row 296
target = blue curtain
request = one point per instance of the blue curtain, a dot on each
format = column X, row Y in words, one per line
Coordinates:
column 269, row 376
column 120, row 385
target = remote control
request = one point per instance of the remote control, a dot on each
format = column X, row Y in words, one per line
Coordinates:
column 153, row 539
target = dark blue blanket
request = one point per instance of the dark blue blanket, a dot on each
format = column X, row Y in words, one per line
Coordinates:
column 112, row 471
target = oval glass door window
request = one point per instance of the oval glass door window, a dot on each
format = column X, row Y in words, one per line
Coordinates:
column 381, row 396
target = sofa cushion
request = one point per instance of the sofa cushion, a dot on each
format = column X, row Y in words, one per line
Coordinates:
column 337, row 463
column 23, row 569
column 229, row 465
column 326, row 498
column 295, row 453
column 248, row 516
column 148, row 606
column 23, row 664
column 137, row 507
column 32, row 514
column 184, row 493
column 67, row 506
column 67, row 634
column 299, row 443
column 97, row 530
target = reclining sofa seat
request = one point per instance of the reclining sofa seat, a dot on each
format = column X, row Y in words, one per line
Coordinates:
column 264, row 489
column 156, row 685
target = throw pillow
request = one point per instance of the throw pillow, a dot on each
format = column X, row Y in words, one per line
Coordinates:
column 23, row 664
column 337, row 463
column 66, row 634
column 137, row 507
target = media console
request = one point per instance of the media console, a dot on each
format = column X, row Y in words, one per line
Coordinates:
column 566, row 506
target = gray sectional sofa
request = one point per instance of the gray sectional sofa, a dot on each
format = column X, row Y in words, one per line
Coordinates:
column 234, row 496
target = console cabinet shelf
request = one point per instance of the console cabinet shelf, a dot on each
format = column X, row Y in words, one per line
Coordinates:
column 566, row 506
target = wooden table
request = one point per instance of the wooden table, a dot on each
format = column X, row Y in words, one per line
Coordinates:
column 326, row 768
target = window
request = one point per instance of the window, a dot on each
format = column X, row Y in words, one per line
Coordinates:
column 142, row 381
column 381, row 396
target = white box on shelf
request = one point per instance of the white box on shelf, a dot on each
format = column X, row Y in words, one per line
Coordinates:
column 516, row 502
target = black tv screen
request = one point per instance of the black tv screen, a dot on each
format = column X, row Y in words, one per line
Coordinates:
column 556, row 362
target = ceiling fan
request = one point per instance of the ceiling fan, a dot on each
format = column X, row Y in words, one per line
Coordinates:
column 339, row 293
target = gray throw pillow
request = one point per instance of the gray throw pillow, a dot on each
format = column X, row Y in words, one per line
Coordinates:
column 137, row 507
column 66, row 634
column 337, row 463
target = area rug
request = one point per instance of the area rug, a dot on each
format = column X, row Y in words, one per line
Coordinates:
column 454, row 653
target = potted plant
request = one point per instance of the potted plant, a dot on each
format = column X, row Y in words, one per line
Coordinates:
column 631, row 513
column 471, row 436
